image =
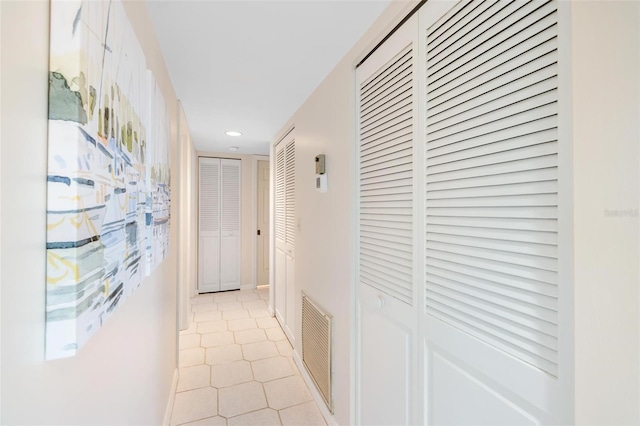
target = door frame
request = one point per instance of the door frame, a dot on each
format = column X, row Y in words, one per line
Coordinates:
column 272, row 219
column 254, row 216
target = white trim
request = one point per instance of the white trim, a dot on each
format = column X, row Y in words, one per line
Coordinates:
column 251, row 286
column 172, row 393
column 566, row 306
column 254, row 216
column 328, row 417
column 272, row 217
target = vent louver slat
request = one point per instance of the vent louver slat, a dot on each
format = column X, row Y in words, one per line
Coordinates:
column 316, row 347
column 492, row 178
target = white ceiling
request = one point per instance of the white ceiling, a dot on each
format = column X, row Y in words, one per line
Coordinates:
column 248, row 65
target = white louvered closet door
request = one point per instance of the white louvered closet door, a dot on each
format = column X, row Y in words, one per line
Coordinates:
column 491, row 178
column 285, row 230
column 386, row 389
column 230, row 225
column 219, row 224
column 209, row 225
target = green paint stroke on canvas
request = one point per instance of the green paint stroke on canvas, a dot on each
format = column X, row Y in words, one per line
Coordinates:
column 64, row 104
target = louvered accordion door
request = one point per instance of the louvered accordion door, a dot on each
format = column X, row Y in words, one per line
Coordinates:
column 386, row 299
column 285, row 230
column 219, row 225
column 491, row 297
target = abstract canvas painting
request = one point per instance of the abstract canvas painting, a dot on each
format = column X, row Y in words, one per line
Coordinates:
column 108, row 170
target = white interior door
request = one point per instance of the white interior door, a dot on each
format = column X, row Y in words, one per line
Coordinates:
column 219, row 247
column 460, row 301
column 263, row 222
column 230, row 225
column 491, row 311
column 209, row 225
column 386, row 298
column 285, row 228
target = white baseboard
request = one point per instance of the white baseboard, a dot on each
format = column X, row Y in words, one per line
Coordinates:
column 172, row 393
column 247, row 287
column 328, row 417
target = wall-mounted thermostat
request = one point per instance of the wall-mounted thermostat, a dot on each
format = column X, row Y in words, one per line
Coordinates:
column 321, row 175
column 321, row 183
column 320, row 164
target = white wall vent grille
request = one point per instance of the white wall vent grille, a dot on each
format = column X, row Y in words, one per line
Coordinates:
column 386, row 178
column 491, row 176
column 316, row 347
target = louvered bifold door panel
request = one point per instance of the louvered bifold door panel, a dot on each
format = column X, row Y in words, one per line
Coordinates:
column 290, row 194
column 230, row 222
column 209, row 200
column 491, row 176
column 209, row 225
column 280, row 195
column 386, row 178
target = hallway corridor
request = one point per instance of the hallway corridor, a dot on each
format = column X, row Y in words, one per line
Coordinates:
column 236, row 366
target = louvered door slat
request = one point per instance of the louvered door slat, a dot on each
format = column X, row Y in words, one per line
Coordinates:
column 512, row 19
column 382, row 77
column 386, row 178
column 290, row 192
column 209, row 215
column 230, row 200
column 491, row 176
column 280, row 195
column 515, row 298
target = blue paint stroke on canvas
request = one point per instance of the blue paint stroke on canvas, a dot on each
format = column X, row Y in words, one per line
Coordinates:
column 102, row 183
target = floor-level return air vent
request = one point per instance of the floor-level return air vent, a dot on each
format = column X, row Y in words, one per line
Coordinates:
column 316, row 347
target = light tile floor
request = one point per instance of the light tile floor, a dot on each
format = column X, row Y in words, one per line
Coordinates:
column 236, row 367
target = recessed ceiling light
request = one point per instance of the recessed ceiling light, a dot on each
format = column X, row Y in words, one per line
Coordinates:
column 233, row 133
column 233, row 148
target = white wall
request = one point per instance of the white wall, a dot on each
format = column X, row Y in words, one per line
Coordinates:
column 124, row 373
column 187, row 239
column 606, row 146
column 248, row 205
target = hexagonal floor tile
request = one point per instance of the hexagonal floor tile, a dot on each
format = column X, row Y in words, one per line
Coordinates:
column 234, row 315
column 275, row 334
column 265, row 417
column 210, row 421
column 188, row 341
column 189, row 357
column 241, row 399
column 212, row 326
column 242, row 324
column 207, row 316
column 260, row 350
column 230, row 374
column 194, row 405
column 223, row 354
column 283, row 393
column 194, row 377
column 269, row 369
column 250, row 336
column 306, row 414
column 217, row 339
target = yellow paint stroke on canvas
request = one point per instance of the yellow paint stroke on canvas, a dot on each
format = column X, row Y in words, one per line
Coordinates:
column 55, row 262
